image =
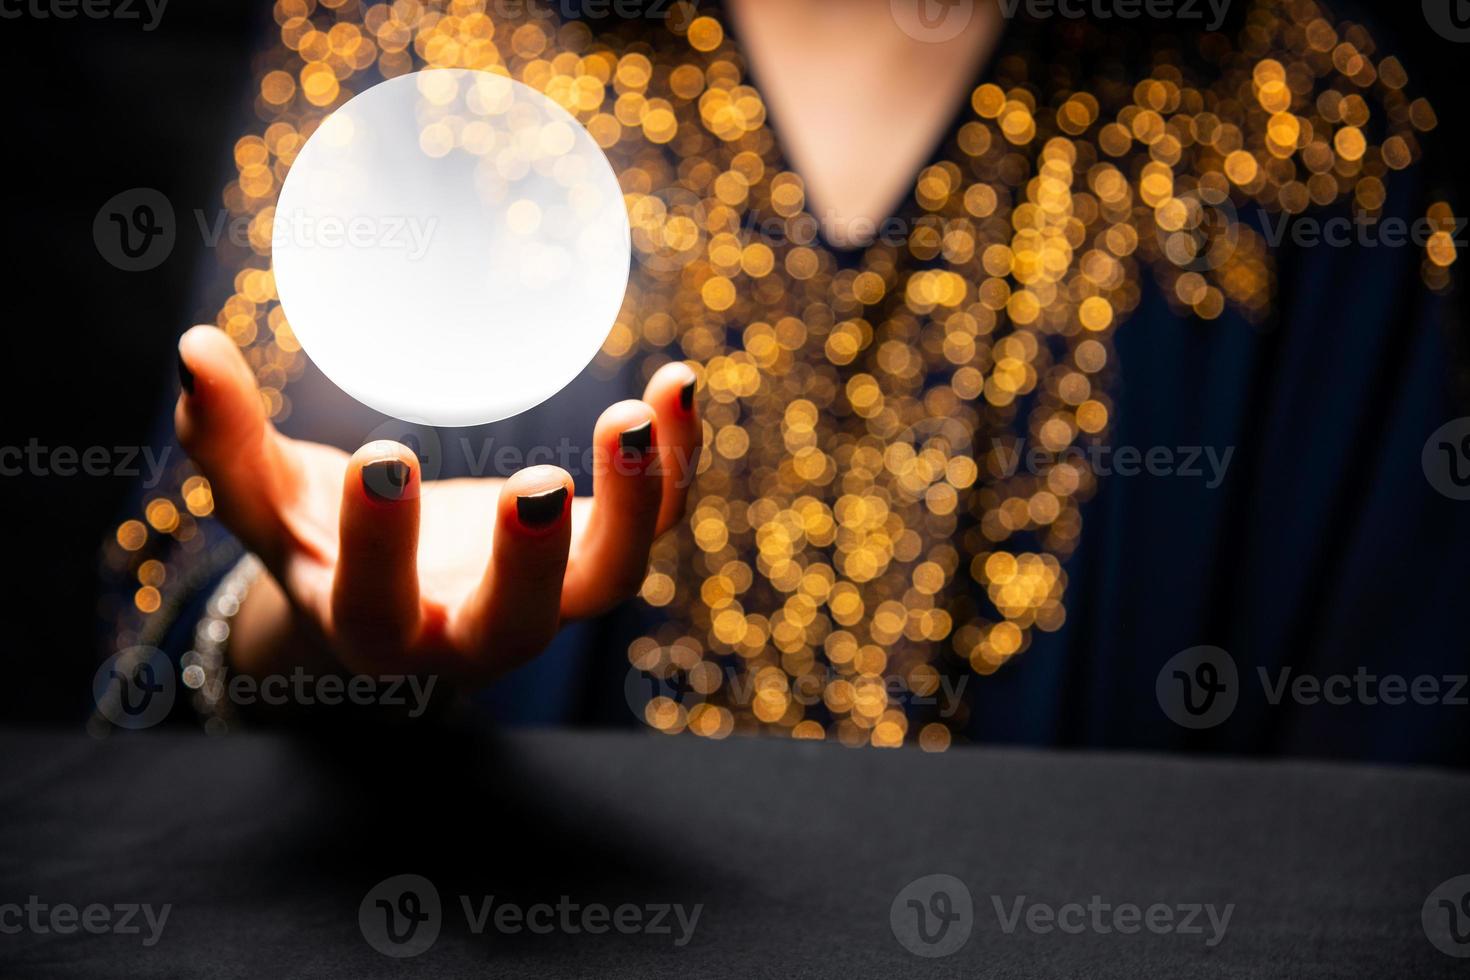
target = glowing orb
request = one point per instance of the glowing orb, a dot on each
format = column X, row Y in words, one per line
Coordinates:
column 451, row 247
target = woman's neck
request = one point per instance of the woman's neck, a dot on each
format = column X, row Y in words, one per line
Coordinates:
column 861, row 91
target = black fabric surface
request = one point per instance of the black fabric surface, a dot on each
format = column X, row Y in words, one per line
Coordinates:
column 265, row 845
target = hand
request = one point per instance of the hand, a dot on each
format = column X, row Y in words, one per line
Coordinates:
column 379, row 572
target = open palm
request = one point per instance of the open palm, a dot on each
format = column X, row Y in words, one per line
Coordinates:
column 379, row 571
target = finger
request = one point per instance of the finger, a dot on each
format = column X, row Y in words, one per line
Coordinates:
column 221, row 423
column 670, row 393
column 516, row 610
column 375, row 589
column 610, row 554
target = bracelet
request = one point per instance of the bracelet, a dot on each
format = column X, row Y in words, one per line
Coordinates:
column 204, row 669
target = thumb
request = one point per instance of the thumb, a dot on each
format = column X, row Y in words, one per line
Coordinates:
column 221, row 423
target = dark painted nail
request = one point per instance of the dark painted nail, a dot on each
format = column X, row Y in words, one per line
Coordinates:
column 385, row 479
column 638, row 439
column 686, row 395
column 186, row 377
column 541, row 509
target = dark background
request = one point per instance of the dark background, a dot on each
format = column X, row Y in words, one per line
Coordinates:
column 95, row 107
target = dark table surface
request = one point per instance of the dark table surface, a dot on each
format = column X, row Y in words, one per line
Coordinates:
column 802, row 858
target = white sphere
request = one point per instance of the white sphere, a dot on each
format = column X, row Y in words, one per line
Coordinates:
column 451, row 247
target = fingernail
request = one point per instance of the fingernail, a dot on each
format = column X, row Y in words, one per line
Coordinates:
column 385, row 479
column 186, row 377
column 541, row 509
column 686, row 395
column 638, row 439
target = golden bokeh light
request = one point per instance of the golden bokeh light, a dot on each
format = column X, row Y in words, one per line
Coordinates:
column 847, row 546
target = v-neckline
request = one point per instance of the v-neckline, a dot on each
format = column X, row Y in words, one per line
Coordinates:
column 902, row 210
